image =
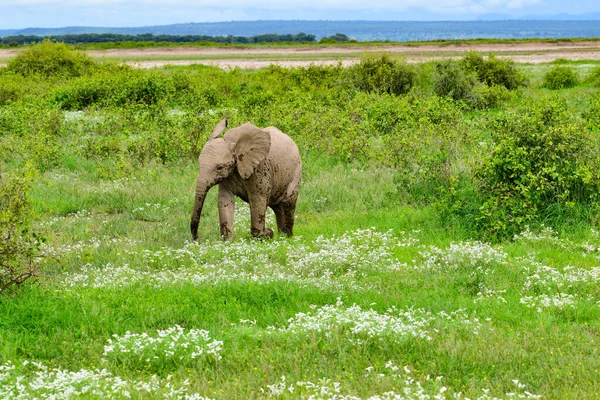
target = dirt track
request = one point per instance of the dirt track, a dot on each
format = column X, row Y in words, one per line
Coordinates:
column 327, row 55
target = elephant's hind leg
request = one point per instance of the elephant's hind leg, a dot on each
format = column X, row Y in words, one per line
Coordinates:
column 280, row 218
column 285, row 217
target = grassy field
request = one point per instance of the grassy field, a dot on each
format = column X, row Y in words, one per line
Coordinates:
column 395, row 285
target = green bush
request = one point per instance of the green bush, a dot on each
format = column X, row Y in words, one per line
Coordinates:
column 12, row 87
column 452, row 80
column 18, row 246
column 560, row 77
column 320, row 76
column 592, row 115
column 116, row 88
column 485, row 97
column 423, row 140
column 473, row 61
column 383, row 75
column 32, row 134
column 51, row 59
column 594, row 77
column 494, row 71
column 543, row 159
column 338, row 37
column 98, row 89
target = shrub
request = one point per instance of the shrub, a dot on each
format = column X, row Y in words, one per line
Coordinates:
column 86, row 91
column 149, row 88
column 12, row 87
column 451, row 80
column 18, row 246
column 543, row 159
column 560, row 77
column 338, row 37
column 32, row 132
column 115, row 88
column 473, row 61
column 383, row 75
column 594, row 77
column 51, row 59
column 424, row 144
column 485, row 97
column 494, row 71
column 326, row 76
column 592, row 115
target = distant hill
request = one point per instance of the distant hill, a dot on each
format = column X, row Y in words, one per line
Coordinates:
column 547, row 17
column 359, row 30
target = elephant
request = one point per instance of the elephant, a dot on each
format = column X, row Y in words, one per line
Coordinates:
column 261, row 166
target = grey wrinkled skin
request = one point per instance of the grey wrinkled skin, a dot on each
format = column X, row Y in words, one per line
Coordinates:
column 261, row 166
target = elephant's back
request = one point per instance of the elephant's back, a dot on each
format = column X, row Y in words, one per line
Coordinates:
column 283, row 146
column 286, row 166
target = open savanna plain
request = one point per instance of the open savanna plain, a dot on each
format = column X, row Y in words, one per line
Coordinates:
column 446, row 240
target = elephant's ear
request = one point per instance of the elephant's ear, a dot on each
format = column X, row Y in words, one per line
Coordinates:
column 218, row 129
column 251, row 146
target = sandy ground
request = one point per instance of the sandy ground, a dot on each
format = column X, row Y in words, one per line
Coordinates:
column 251, row 57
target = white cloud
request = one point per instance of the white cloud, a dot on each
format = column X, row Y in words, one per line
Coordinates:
column 17, row 14
column 458, row 5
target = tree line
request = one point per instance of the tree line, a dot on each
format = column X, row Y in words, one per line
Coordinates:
column 85, row 38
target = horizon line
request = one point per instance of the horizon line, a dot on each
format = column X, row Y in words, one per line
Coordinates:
column 514, row 19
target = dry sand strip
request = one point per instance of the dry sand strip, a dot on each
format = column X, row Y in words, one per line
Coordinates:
column 256, row 64
column 388, row 48
column 530, row 52
column 252, row 58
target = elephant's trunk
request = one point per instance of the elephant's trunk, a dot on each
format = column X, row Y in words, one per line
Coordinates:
column 201, row 191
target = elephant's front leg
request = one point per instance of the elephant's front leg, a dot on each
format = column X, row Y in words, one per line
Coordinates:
column 258, row 208
column 226, row 212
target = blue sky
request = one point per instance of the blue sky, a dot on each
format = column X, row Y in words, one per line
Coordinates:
column 15, row 14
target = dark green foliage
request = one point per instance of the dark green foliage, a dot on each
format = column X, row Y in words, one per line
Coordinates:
column 451, row 80
column 111, row 88
column 119, row 38
column 478, row 82
column 542, row 159
column 338, row 37
column 18, row 246
column 51, row 60
column 473, row 61
column 560, row 77
column 494, row 71
column 383, row 75
column 485, row 97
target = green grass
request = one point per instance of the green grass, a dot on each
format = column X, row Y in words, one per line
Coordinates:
column 554, row 352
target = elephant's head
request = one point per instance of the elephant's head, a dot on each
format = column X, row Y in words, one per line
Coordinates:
column 240, row 150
